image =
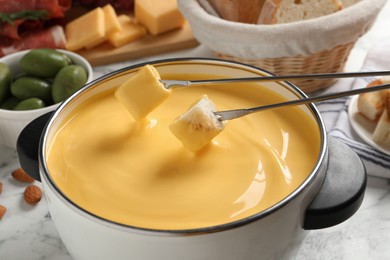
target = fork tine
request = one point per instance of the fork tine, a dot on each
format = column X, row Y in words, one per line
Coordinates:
column 179, row 83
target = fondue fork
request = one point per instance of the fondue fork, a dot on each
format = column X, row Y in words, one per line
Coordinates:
column 236, row 113
column 186, row 83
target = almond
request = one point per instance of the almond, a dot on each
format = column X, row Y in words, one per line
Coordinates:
column 2, row 211
column 32, row 194
column 20, row 175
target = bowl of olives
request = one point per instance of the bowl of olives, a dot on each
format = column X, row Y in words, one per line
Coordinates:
column 34, row 82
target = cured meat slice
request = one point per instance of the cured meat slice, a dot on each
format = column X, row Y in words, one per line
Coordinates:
column 53, row 37
column 56, row 8
column 20, row 21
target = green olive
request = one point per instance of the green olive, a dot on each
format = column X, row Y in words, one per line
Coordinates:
column 67, row 81
column 44, row 62
column 29, row 104
column 10, row 103
column 27, row 87
column 5, row 81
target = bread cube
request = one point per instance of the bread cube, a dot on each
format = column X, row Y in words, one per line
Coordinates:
column 198, row 126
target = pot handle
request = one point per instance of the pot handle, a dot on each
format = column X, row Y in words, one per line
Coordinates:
column 342, row 191
column 27, row 145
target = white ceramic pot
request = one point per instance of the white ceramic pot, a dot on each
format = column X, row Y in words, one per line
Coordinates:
column 324, row 199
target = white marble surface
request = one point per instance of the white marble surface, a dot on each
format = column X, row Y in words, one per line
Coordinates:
column 28, row 233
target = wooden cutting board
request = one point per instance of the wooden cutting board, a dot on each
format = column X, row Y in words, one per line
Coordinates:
column 149, row 45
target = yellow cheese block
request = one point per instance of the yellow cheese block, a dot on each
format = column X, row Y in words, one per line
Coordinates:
column 130, row 32
column 198, row 126
column 111, row 20
column 158, row 16
column 86, row 30
column 142, row 93
column 112, row 24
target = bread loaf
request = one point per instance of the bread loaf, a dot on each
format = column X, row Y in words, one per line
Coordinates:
column 286, row 11
column 244, row 11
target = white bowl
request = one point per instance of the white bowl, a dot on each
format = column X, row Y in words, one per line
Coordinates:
column 12, row 122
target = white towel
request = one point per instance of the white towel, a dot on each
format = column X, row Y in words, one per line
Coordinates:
column 335, row 115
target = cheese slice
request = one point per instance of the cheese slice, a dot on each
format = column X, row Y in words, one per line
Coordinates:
column 130, row 31
column 158, row 16
column 143, row 92
column 198, row 126
column 86, row 30
column 111, row 20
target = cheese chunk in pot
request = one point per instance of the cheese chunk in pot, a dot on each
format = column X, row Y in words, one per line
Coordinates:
column 198, row 126
column 158, row 16
column 142, row 93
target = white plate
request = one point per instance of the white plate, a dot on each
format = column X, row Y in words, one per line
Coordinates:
column 364, row 127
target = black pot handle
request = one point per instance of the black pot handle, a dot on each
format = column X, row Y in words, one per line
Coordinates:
column 27, row 145
column 343, row 189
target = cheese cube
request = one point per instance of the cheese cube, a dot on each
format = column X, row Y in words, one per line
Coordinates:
column 130, row 31
column 198, row 126
column 158, row 16
column 111, row 22
column 143, row 92
column 86, row 30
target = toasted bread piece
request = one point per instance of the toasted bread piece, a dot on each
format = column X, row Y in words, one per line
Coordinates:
column 381, row 133
column 286, row 11
column 371, row 105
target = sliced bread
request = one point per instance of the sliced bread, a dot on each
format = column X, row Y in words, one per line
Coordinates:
column 381, row 133
column 244, row 11
column 371, row 105
column 286, row 11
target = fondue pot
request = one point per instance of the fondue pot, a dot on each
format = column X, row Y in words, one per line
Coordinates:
column 330, row 194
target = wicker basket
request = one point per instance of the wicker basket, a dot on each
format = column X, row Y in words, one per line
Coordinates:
column 319, row 45
column 327, row 61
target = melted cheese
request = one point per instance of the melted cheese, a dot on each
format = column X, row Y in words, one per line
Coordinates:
column 137, row 173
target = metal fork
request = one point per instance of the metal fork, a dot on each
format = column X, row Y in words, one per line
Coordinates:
column 236, row 113
column 186, row 83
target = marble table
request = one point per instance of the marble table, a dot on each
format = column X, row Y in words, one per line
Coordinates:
column 28, row 233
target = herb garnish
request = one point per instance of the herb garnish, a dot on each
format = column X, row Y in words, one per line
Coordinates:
column 26, row 14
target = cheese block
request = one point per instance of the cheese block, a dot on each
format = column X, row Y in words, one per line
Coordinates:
column 86, row 30
column 142, row 93
column 198, row 126
column 130, row 31
column 158, row 16
column 111, row 22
